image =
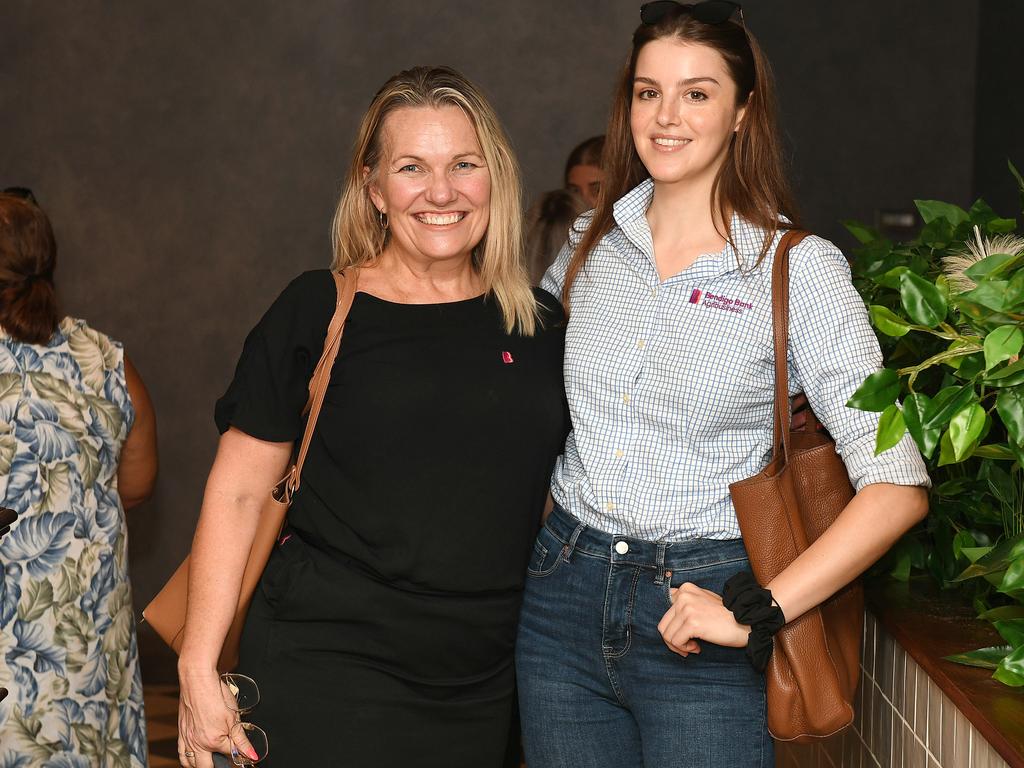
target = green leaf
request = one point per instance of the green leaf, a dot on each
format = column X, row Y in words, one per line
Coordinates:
column 931, row 210
column 1010, row 407
column 1013, row 579
column 878, row 391
column 1003, row 613
column 901, row 570
column 986, row 658
column 962, row 540
column 970, row 365
column 1020, row 181
column 923, row 302
column 947, row 454
column 1002, row 344
column 888, row 322
column 891, row 429
column 991, row 294
column 965, row 428
column 1001, row 226
column 862, row 232
column 1011, row 630
column 996, row 451
column 915, row 407
column 990, row 265
column 975, row 553
column 1011, row 668
column 1001, row 556
column 891, row 279
column 937, row 234
column 981, row 213
column 1010, row 376
column 946, row 403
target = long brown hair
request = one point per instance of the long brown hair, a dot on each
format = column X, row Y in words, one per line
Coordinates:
column 28, row 256
column 751, row 181
column 358, row 236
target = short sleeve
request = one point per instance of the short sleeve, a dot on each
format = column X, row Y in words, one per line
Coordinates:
column 271, row 382
column 833, row 349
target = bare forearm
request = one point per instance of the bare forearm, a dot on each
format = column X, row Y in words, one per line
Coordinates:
column 224, row 535
column 242, row 476
column 871, row 523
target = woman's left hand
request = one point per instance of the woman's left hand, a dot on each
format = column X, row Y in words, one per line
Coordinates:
column 698, row 614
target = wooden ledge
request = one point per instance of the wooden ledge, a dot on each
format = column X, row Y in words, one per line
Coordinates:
column 931, row 624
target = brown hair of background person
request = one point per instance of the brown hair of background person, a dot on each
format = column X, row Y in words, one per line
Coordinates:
column 28, row 255
column 587, row 152
column 752, row 181
column 547, row 227
column 584, row 174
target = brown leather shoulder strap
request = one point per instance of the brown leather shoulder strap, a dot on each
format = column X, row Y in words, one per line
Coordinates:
column 780, row 333
column 346, row 283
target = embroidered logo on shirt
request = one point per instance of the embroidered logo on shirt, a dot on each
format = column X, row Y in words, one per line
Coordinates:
column 506, row 358
column 715, row 301
column 695, row 296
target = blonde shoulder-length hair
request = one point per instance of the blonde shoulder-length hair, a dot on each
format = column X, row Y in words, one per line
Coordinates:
column 356, row 232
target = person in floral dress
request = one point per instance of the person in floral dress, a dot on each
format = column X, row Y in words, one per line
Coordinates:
column 77, row 447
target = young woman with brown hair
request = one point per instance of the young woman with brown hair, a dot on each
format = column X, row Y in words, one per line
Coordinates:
column 626, row 654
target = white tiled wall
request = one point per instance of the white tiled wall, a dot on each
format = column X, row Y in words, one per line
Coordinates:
column 903, row 720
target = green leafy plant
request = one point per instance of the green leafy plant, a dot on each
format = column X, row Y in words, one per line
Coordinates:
column 948, row 308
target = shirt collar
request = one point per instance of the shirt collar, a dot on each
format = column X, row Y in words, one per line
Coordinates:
column 630, row 213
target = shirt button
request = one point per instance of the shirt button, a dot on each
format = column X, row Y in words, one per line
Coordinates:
column 618, row 453
column 609, row 506
column 654, row 292
column 621, row 547
column 625, row 399
column 640, row 344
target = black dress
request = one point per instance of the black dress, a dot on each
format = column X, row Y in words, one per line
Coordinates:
column 383, row 628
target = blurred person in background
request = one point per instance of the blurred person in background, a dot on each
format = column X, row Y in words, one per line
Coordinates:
column 77, row 447
column 583, row 172
column 547, row 228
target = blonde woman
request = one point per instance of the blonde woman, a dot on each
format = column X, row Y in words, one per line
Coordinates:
column 383, row 629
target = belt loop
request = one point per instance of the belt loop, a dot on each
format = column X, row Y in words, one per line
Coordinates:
column 659, row 569
column 568, row 548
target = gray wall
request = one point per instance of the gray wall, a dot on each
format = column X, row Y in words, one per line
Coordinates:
column 999, row 107
column 189, row 153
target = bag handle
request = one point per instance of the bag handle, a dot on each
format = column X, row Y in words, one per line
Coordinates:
column 345, row 282
column 780, row 334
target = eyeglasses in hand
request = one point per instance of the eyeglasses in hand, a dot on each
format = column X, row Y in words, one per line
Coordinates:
column 249, row 744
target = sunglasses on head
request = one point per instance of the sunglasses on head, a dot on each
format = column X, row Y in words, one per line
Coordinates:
column 708, row 12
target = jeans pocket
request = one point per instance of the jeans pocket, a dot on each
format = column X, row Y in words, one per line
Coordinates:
column 547, row 555
column 712, row 577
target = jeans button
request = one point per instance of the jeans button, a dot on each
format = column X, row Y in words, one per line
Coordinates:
column 621, row 547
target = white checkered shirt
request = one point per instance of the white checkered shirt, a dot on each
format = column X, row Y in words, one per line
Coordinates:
column 671, row 384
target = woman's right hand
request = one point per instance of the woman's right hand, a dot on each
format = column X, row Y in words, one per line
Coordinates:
column 204, row 720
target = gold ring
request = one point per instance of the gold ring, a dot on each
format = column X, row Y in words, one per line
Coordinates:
column 190, row 754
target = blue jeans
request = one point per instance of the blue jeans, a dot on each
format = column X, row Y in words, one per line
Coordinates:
column 597, row 684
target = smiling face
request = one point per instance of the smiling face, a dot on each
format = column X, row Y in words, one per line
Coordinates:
column 585, row 181
column 433, row 183
column 683, row 113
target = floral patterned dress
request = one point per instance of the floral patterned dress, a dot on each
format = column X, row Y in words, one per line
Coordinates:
column 68, row 650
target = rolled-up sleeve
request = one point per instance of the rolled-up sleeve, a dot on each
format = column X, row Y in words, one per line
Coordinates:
column 832, row 350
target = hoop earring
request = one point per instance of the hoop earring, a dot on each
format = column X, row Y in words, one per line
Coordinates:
column 383, row 219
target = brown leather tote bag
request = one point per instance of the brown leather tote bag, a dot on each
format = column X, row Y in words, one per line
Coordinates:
column 814, row 670
column 166, row 612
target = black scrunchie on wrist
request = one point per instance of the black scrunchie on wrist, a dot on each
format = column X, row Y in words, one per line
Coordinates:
column 753, row 606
